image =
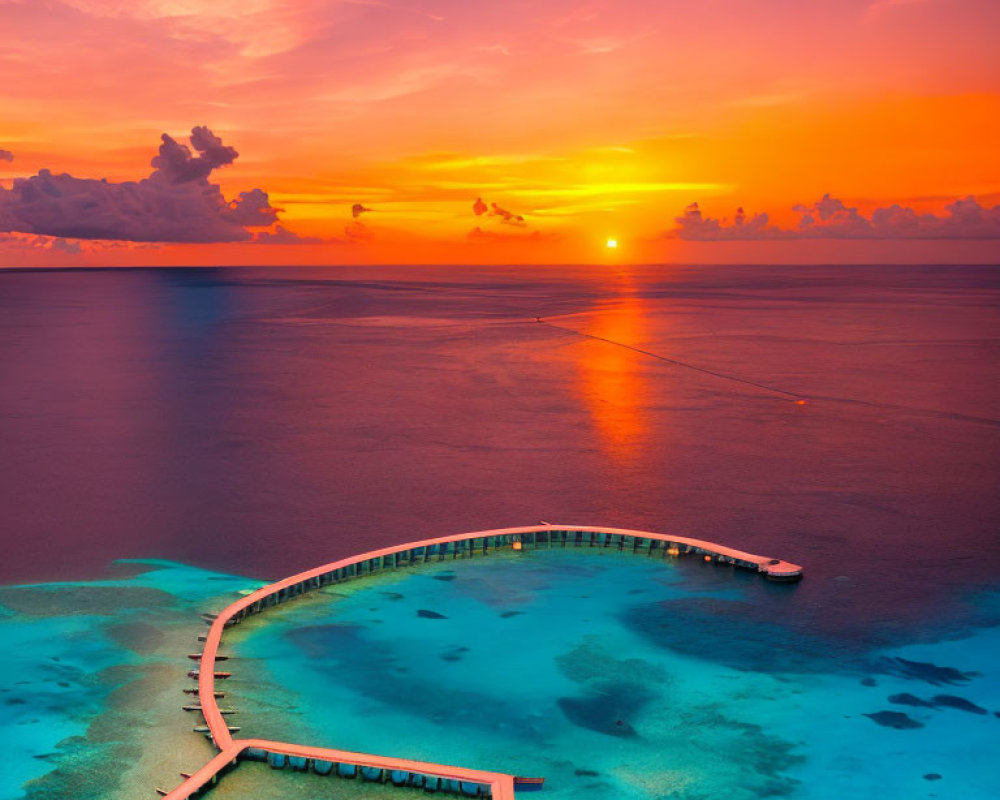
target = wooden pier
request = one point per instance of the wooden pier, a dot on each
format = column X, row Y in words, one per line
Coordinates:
column 458, row 780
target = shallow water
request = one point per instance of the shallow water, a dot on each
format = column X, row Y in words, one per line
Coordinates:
column 83, row 662
column 586, row 668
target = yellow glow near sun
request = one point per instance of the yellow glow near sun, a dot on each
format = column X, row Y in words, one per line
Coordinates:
column 612, row 244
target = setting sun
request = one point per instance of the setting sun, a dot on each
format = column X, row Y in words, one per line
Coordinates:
column 612, row 244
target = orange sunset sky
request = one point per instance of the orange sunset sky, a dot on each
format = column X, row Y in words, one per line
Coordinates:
column 865, row 130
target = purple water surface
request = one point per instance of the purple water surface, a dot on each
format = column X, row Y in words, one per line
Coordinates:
column 261, row 421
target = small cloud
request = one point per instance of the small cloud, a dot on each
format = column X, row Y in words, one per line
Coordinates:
column 507, row 216
column 56, row 244
column 357, row 210
column 479, row 208
column 692, row 224
column 830, row 218
column 6, row 155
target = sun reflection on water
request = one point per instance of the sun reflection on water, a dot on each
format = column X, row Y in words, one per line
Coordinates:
column 611, row 379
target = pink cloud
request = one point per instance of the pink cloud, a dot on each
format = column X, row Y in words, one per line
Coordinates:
column 6, row 155
column 30, row 241
column 40, row 243
column 830, row 218
column 176, row 203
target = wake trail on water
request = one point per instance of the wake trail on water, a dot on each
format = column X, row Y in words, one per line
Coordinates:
column 794, row 396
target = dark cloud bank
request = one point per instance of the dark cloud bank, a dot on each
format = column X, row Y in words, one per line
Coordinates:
column 176, row 203
column 829, row 218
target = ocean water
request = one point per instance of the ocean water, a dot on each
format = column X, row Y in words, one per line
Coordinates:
column 254, row 423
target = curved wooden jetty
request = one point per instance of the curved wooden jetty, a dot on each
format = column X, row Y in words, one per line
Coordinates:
column 401, row 771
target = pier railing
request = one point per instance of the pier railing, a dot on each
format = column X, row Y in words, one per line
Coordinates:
column 464, row 545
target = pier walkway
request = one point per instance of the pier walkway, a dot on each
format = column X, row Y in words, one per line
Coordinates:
column 458, row 780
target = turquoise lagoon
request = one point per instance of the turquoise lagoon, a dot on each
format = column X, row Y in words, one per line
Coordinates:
column 613, row 676
column 620, row 677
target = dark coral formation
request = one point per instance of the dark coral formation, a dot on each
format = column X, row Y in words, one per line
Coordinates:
column 923, row 671
column 607, row 709
column 907, row 699
column 894, row 719
column 960, row 703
